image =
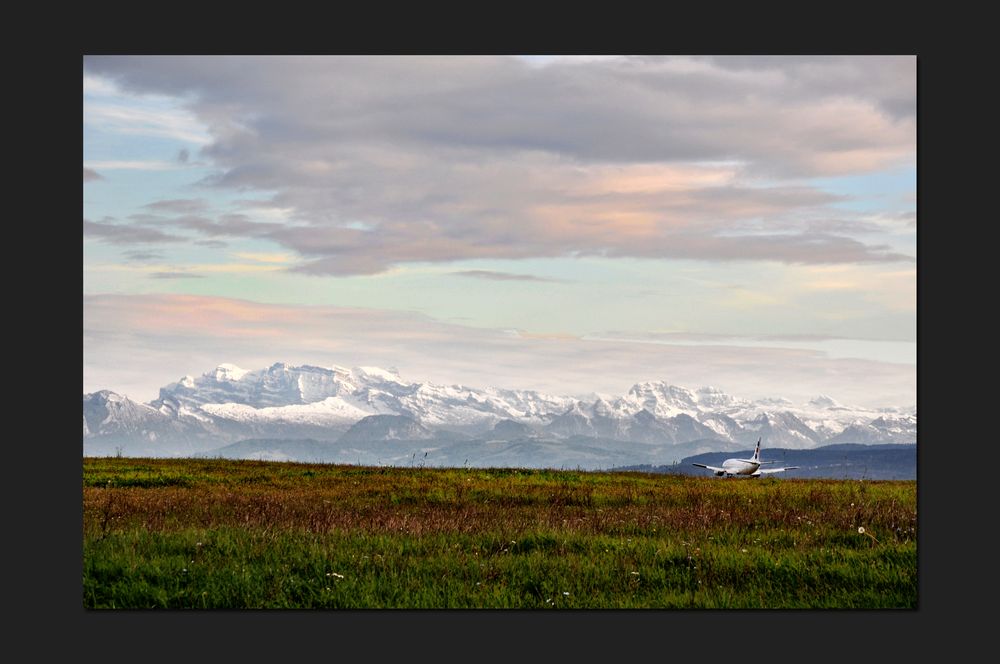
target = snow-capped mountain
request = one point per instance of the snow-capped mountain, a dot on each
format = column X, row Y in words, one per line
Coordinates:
column 883, row 429
column 281, row 402
column 315, row 395
column 108, row 414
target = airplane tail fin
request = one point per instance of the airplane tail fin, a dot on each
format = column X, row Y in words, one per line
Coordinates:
column 756, row 452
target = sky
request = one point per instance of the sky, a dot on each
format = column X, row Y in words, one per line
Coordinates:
column 573, row 225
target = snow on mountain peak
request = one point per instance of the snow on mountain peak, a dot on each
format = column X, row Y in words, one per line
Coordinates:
column 376, row 372
column 774, row 402
column 823, row 401
column 661, row 399
column 712, row 398
column 228, row 372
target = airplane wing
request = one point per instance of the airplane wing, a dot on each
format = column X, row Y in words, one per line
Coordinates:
column 714, row 469
column 768, row 471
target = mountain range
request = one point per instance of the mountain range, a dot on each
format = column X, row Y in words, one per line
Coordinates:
column 373, row 415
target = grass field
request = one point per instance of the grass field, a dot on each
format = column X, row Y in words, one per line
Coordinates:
column 223, row 534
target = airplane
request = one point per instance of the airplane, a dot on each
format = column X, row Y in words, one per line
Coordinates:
column 745, row 467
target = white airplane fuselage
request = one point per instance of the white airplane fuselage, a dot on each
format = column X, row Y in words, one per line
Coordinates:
column 739, row 467
column 744, row 467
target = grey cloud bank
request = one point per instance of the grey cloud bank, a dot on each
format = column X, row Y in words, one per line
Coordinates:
column 389, row 160
column 178, row 205
column 126, row 234
column 175, row 275
column 500, row 276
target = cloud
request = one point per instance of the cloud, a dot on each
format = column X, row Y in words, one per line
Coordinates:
column 212, row 244
column 889, row 82
column 263, row 257
column 167, row 336
column 126, row 234
column 142, row 256
column 231, row 225
column 175, row 275
column 133, row 165
column 144, row 118
column 89, row 175
column 501, row 276
column 390, row 160
column 178, row 206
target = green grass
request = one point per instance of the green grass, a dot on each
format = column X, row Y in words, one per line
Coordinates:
column 169, row 533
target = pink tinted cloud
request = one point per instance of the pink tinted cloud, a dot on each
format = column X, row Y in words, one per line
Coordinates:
column 136, row 344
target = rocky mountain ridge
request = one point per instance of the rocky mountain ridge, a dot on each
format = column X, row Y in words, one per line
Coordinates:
column 229, row 404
